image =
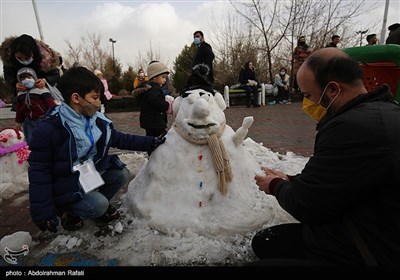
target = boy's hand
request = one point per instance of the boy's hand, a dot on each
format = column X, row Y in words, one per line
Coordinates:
column 157, row 142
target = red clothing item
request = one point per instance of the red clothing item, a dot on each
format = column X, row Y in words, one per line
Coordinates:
column 33, row 104
column 299, row 56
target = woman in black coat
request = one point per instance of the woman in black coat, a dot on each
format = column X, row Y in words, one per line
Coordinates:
column 248, row 82
column 25, row 51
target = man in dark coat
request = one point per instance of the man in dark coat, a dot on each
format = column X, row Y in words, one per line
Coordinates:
column 394, row 34
column 347, row 197
column 204, row 54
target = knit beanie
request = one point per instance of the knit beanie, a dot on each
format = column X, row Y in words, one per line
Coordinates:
column 26, row 70
column 198, row 80
column 156, row 68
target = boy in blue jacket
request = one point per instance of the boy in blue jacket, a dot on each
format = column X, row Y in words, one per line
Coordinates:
column 71, row 174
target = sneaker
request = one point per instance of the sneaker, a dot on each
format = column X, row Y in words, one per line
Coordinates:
column 289, row 102
column 110, row 215
column 283, row 102
column 71, row 223
column 272, row 102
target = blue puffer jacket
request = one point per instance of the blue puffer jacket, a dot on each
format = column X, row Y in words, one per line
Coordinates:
column 52, row 184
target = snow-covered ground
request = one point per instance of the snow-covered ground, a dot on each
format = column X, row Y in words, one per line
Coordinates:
column 132, row 242
column 194, row 202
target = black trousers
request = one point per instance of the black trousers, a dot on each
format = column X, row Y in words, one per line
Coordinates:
column 283, row 94
column 282, row 245
column 251, row 94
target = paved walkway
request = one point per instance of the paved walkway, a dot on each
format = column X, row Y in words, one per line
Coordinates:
column 281, row 128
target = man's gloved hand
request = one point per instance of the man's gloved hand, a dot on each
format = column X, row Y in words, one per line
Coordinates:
column 157, row 142
column 50, row 225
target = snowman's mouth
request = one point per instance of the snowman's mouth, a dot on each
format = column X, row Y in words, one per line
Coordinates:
column 201, row 126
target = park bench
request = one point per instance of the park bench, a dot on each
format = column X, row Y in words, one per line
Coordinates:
column 237, row 96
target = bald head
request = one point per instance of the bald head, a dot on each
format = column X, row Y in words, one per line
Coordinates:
column 327, row 53
column 332, row 64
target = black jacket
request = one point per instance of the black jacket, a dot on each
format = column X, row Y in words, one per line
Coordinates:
column 45, row 59
column 205, row 55
column 354, row 174
column 153, row 111
column 245, row 75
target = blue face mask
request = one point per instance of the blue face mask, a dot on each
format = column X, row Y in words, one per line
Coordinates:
column 25, row 62
column 282, row 73
column 196, row 40
column 28, row 83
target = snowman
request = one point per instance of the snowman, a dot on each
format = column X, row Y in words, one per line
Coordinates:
column 14, row 153
column 202, row 178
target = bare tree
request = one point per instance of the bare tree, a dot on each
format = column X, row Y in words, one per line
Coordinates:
column 141, row 61
column 235, row 44
column 279, row 23
column 73, row 55
column 258, row 13
column 88, row 52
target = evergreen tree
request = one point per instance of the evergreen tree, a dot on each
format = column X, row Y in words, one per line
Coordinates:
column 183, row 67
column 127, row 79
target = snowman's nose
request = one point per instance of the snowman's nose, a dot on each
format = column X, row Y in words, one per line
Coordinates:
column 201, row 108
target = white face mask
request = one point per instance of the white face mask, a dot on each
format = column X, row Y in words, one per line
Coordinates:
column 25, row 62
column 197, row 40
column 28, row 83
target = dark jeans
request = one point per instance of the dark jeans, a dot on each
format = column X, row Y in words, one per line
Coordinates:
column 251, row 94
column 95, row 203
column 282, row 245
column 283, row 94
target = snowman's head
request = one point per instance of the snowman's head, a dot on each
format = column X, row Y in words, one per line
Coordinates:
column 10, row 136
column 199, row 113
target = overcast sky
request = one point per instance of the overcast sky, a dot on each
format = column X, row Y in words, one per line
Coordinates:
column 167, row 26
